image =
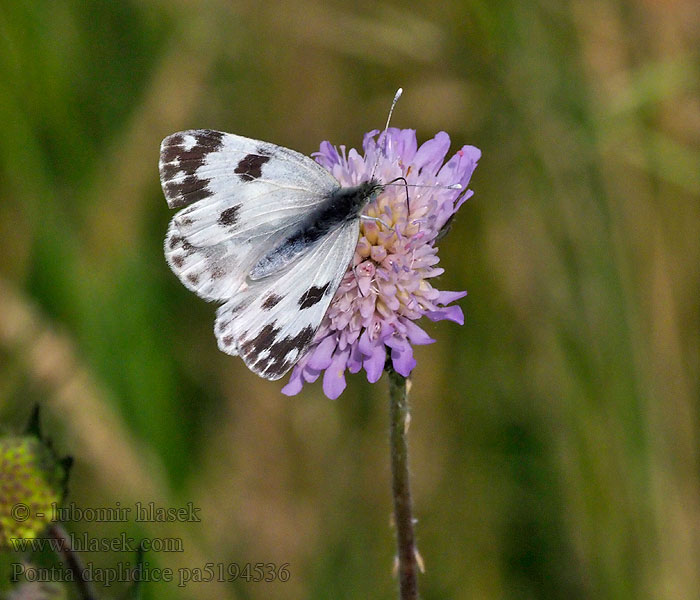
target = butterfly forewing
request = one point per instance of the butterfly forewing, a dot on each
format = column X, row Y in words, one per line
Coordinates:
column 200, row 163
column 239, row 197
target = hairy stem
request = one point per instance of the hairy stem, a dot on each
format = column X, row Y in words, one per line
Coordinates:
column 401, row 491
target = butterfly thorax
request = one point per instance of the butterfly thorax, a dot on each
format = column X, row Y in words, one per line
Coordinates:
column 347, row 203
column 342, row 205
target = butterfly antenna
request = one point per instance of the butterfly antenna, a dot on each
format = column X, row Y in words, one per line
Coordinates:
column 405, row 183
column 454, row 186
column 397, row 95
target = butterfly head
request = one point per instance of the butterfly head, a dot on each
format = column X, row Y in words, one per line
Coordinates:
column 349, row 202
column 367, row 192
column 371, row 189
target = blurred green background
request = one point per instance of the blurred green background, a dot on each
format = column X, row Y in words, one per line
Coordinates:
column 555, row 436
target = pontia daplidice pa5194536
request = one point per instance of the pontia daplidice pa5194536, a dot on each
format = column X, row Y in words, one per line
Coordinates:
column 265, row 231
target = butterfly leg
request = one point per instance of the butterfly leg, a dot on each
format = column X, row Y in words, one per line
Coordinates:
column 357, row 279
column 377, row 220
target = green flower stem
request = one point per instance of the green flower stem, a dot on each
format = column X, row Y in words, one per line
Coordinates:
column 401, row 491
column 73, row 561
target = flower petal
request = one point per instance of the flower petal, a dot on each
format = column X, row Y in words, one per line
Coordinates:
column 415, row 334
column 295, row 382
column 430, row 155
column 402, row 359
column 374, row 363
column 355, row 361
column 368, row 142
column 327, row 156
column 321, row 356
column 406, row 145
column 451, row 313
column 460, row 167
column 396, row 340
column 334, row 377
column 448, row 297
column 310, row 375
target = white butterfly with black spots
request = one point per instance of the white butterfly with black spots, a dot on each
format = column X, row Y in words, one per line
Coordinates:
column 264, row 230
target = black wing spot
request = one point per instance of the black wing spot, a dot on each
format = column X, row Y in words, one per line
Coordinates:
column 188, row 248
column 210, row 140
column 312, row 296
column 193, row 278
column 178, row 261
column 218, row 272
column 187, row 191
column 173, row 150
column 169, row 170
column 264, row 340
column 250, row 166
column 229, row 217
column 277, row 363
column 175, row 161
column 206, row 142
column 280, row 349
column 236, row 309
column 271, row 301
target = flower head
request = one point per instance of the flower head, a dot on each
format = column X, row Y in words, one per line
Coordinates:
column 31, row 482
column 387, row 286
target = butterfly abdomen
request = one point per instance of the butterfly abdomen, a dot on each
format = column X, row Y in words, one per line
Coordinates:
column 342, row 205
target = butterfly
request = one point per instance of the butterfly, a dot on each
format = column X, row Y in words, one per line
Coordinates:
column 263, row 230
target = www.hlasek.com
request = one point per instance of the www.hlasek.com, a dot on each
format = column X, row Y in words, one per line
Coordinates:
column 85, row 543
column 127, row 572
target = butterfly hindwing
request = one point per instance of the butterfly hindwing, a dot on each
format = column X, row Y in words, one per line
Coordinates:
column 215, row 272
column 272, row 322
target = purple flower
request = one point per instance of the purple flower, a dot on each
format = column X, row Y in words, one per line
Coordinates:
column 387, row 287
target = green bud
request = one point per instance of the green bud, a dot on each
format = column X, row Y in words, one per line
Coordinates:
column 31, row 485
